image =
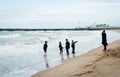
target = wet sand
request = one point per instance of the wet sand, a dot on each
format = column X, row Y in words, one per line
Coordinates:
column 95, row 63
column 118, row 31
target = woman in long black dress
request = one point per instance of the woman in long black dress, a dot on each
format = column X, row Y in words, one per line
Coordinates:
column 104, row 40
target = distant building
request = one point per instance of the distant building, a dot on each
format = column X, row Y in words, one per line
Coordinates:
column 102, row 26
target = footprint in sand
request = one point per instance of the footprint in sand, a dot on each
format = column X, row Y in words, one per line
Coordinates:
column 84, row 73
column 87, row 66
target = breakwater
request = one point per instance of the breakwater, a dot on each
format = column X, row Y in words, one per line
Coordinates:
column 66, row 29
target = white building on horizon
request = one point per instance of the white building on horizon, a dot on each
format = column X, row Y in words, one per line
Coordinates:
column 102, row 25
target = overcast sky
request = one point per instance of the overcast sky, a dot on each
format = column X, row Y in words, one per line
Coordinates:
column 58, row 13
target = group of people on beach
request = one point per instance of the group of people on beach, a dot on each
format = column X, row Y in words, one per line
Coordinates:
column 67, row 45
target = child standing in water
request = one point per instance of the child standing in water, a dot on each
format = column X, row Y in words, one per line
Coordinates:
column 61, row 48
column 67, row 46
column 45, row 46
column 73, row 46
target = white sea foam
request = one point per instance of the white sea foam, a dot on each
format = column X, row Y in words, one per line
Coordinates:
column 10, row 36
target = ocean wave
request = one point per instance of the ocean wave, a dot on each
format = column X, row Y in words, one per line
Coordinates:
column 3, row 70
column 10, row 36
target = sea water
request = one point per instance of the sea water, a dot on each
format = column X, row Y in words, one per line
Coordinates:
column 21, row 52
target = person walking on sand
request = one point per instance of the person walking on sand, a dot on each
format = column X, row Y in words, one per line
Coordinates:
column 67, row 46
column 73, row 46
column 45, row 46
column 104, row 40
column 61, row 48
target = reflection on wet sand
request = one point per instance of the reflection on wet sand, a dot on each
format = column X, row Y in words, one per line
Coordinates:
column 62, row 57
column 68, row 56
column 46, row 62
column 73, row 55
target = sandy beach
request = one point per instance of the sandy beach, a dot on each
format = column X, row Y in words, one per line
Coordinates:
column 95, row 63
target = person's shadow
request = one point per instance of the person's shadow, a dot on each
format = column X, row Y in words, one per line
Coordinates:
column 46, row 61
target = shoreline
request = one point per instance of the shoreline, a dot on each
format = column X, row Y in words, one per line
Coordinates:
column 85, row 64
